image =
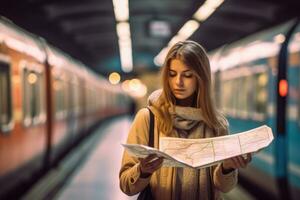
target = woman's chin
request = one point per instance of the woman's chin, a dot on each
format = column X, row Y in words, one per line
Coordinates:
column 181, row 97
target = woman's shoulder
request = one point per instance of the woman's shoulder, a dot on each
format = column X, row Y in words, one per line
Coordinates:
column 143, row 112
column 142, row 115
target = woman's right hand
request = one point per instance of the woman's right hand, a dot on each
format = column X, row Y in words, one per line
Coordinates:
column 150, row 164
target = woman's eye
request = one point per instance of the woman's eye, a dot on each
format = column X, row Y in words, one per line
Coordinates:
column 172, row 74
column 188, row 75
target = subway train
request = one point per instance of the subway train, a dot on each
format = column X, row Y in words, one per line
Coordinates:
column 48, row 103
column 256, row 82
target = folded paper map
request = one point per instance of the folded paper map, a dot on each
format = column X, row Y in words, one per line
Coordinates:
column 200, row 153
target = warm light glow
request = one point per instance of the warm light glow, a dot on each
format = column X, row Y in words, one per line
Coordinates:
column 283, row 87
column 32, row 78
column 262, row 80
column 114, row 78
column 134, row 88
column 125, row 86
column 280, row 38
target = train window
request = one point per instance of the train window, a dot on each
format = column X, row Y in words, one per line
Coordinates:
column 32, row 97
column 260, row 101
column 5, row 98
column 243, row 96
column 229, row 100
column 59, row 86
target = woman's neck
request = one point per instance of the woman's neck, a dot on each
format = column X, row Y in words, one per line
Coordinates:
column 187, row 102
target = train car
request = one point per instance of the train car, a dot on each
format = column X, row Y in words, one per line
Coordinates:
column 48, row 103
column 23, row 129
column 257, row 82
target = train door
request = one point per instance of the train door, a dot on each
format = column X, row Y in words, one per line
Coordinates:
column 293, row 115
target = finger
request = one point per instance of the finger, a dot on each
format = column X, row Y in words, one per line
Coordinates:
column 234, row 162
column 242, row 162
column 249, row 157
column 156, row 165
column 155, row 162
column 143, row 162
column 150, row 157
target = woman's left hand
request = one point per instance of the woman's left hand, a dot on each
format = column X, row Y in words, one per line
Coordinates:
column 236, row 162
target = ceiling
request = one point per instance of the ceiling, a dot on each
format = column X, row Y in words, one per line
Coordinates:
column 86, row 29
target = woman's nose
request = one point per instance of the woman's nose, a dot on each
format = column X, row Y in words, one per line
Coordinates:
column 179, row 80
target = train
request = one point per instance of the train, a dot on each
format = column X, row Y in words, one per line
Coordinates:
column 257, row 82
column 49, row 102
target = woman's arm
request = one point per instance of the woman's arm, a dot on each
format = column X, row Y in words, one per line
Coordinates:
column 130, row 178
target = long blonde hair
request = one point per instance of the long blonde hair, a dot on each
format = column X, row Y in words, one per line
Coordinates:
column 193, row 55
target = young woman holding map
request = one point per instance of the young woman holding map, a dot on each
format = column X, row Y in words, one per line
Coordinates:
column 183, row 108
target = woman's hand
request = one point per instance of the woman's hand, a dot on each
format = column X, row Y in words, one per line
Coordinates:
column 150, row 164
column 236, row 162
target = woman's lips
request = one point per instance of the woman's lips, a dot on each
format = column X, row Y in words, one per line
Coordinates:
column 179, row 90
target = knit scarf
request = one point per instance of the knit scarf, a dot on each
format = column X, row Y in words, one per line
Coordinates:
column 185, row 119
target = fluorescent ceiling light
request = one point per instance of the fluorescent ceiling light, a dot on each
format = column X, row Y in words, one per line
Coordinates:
column 123, row 30
column 126, row 55
column 121, row 10
column 188, row 29
column 207, row 9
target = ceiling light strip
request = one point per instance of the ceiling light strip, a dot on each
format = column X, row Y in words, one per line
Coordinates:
column 189, row 27
column 123, row 31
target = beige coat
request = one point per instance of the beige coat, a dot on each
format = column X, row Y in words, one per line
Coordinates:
column 163, row 181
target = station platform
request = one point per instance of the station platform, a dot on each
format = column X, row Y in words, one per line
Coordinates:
column 91, row 170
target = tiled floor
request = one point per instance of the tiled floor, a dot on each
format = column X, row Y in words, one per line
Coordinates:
column 98, row 177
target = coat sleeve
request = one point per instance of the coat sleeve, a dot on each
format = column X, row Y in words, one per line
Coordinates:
column 224, row 182
column 129, row 176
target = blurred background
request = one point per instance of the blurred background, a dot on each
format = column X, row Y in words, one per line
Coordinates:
column 73, row 73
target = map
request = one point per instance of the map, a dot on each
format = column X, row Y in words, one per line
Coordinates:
column 200, row 153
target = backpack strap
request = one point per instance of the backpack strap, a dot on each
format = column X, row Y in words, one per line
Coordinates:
column 151, row 130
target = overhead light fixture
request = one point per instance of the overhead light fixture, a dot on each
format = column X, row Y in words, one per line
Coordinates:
column 189, row 27
column 207, row 9
column 123, row 31
column 175, row 39
column 121, row 10
column 126, row 55
column 160, row 58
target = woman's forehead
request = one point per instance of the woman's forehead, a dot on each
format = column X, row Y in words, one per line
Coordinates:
column 177, row 64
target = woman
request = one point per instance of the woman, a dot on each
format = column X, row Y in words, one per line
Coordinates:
column 183, row 108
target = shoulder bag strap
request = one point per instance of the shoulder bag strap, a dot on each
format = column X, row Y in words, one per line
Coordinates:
column 151, row 130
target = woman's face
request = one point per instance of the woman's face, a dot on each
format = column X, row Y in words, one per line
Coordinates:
column 182, row 79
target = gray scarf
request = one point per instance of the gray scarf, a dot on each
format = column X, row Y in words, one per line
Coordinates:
column 185, row 119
